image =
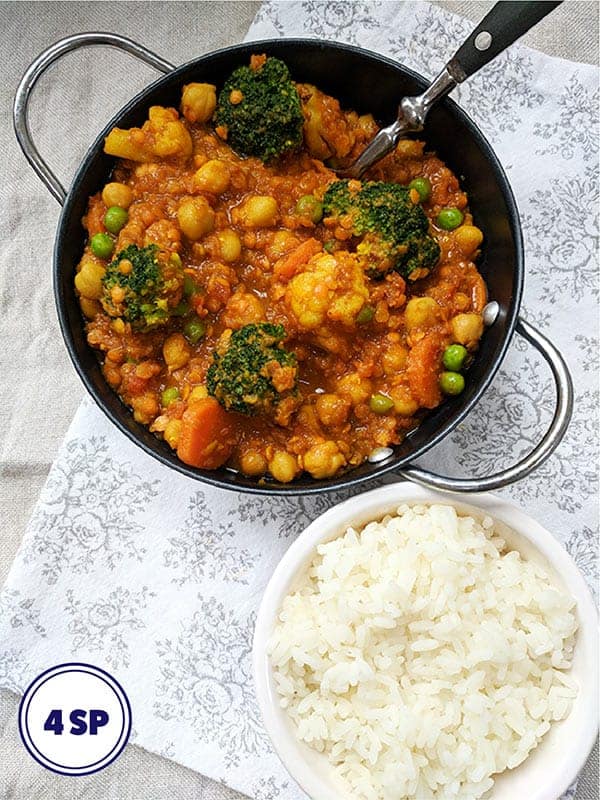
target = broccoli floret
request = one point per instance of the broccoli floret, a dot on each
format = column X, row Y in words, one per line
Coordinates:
column 143, row 286
column 251, row 372
column 259, row 111
column 393, row 231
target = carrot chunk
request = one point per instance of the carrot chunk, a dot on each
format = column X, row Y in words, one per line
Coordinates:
column 207, row 436
column 423, row 371
column 287, row 266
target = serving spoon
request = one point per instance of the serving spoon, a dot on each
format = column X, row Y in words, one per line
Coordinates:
column 503, row 25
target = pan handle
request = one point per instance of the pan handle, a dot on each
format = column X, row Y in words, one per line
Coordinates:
column 549, row 442
column 37, row 69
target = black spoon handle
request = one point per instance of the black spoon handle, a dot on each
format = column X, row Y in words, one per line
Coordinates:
column 505, row 23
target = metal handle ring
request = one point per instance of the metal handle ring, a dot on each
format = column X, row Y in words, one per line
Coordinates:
column 539, row 454
column 37, row 69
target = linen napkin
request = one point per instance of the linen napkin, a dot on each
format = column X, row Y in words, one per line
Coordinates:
column 157, row 578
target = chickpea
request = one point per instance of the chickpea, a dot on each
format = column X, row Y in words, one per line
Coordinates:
column 230, row 246
column 176, row 351
column 214, row 176
column 421, row 312
column 332, row 409
column 198, row 101
column 253, row 462
column 259, row 211
column 356, row 388
column 195, row 217
column 323, row 460
column 467, row 329
column 283, row 466
column 171, row 432
column 468, row 238
column 404, row 403
column 409, row 148
column 89, row 307
column 145, row 408
column 88, row 280
column 117, row 194
column 394, row 358
column 281, row 243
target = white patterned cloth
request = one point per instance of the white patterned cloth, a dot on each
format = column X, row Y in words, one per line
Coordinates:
column 157, row 578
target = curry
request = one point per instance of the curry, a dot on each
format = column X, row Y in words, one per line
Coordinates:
column 255, row 311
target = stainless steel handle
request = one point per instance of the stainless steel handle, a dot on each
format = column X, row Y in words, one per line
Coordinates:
column 549, row 442
column 37, row 69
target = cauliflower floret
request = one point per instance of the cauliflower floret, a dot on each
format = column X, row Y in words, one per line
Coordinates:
column 163, row 135
column 331, row 288
column 327, row 131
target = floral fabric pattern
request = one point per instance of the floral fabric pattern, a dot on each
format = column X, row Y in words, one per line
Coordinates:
column 87, row 511
column 201, row 548
column 210, row 662
column 157, row 578
column 105, row 625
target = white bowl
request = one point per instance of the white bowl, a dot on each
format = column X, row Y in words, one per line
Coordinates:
column 561, row 754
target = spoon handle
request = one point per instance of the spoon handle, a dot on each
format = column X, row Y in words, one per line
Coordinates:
column 503, row 25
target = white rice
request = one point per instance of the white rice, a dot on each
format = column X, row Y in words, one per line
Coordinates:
column 422, row 656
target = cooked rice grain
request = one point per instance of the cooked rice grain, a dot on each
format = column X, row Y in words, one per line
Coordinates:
column 421, row 655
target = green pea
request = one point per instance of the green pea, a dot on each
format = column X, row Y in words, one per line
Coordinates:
column 422, row 186
column 454, row 357
column 102, row 245
column 194, row 330
column 329, row 246
column 169, row 395
column 452, row 383
column 115, row 218
column 175, row 259
column 365, row 315
column 380, row 403
column 189, row 286
column 450, row 218
column 309, row 206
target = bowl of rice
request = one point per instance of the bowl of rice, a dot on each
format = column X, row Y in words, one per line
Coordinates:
column 413, row 645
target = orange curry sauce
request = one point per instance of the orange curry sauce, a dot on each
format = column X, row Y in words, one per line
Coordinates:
column 244, row 263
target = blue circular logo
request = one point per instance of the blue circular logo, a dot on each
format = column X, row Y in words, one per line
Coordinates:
column 75, row 719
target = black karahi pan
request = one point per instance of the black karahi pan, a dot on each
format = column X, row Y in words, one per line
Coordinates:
column 366, row 82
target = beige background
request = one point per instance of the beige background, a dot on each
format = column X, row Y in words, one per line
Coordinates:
column 39, row 390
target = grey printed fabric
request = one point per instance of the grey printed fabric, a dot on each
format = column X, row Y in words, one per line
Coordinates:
column 157, row 578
